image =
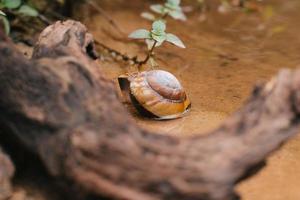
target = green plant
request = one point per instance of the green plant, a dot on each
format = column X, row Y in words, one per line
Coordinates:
column 17, row 7
column 154, row 38
column 170, row 8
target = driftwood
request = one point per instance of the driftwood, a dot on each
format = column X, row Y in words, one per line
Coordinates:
column 6, row 173
column 60, row 107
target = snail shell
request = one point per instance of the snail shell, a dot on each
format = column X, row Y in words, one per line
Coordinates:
column 156, row 94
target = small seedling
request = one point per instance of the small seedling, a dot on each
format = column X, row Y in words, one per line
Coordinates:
column 154, row 38
column 170, row 8
column 16, row 7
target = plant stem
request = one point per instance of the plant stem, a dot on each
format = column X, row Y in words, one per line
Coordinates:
column 147, row 57
column 164, row 16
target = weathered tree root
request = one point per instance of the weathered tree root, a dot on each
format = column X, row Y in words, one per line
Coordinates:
column 62, row 108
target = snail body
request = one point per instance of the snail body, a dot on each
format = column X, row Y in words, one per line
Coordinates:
column 156, row 94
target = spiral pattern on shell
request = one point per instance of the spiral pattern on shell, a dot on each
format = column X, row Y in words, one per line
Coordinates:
column 160, row 93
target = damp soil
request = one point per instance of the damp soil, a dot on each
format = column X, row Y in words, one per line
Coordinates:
column 226, row 55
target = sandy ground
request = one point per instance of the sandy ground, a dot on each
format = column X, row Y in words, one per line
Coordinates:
column 225, row 56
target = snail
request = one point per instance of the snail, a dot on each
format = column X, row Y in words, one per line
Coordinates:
column 155, row 94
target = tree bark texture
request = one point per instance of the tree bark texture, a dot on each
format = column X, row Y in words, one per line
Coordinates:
column 6, row 173
column 61, row 107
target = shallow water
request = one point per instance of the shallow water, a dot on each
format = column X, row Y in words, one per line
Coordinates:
column 225, row 56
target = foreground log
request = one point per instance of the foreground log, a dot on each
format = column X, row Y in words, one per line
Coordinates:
column 6, row 173
column 61, row 107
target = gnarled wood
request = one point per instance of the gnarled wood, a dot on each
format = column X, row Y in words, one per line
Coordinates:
column 63, row 109
column 6, row 173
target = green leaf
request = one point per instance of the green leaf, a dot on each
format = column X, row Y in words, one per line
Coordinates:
column 2, row 13
column 173, row 5
column 11, row 4
column 158, row 31
column 29, row 11
column 174, row 2
column 140, row 34
column 159, row 26
column 175, row 40
column 150, row 43
column 159, row 38
column 148, row 16
column 6, row 24
column 157, row 8
column 178, row 14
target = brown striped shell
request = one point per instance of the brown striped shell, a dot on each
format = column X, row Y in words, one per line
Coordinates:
column 156, row 94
